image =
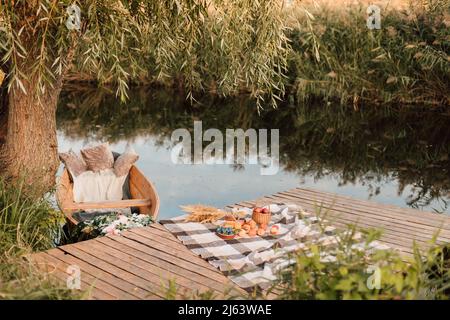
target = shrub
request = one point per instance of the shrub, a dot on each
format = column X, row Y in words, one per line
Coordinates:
column 355, row 272
column 27, row 224
column 336, row 57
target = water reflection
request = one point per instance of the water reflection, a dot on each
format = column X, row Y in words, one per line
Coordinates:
column 389, row 156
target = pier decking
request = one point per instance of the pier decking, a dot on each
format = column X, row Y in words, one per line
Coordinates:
column 142, row 262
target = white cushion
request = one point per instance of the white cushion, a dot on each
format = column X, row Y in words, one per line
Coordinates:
column 98, row 186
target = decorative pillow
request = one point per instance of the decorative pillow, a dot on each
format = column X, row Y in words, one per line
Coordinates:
column 74, row 163
column 98, row 157
column 98, row 186
column 124, row 162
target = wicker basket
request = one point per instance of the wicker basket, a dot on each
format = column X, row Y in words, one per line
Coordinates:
column 261, row 218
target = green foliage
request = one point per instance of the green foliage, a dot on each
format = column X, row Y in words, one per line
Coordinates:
column 336, row 57
column 20, row 280
column 107, row 223
column 27, row 224
column 219, row 45
column 362, row 273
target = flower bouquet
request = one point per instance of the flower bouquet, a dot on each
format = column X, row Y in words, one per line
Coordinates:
column 109, row 224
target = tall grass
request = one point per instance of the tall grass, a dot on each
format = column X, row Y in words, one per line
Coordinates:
column 336, row 57
column 351, row 269
column 26, row 225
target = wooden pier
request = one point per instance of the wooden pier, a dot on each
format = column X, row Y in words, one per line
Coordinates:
column 144, row 262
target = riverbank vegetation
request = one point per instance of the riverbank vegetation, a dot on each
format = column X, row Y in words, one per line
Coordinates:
column 352, row 270
column 27, row 225
column 329, row 54
column 336, row 57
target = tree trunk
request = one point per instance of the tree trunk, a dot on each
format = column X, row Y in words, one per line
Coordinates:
column 3, row 113
column 30, row 146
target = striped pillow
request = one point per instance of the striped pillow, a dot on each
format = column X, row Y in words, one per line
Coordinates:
column 98, row 157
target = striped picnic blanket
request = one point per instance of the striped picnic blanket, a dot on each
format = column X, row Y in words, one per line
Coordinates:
column 255, row 261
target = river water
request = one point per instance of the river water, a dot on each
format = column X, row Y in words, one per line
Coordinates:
column 398, row 157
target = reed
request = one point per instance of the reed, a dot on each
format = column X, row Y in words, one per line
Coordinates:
column 27, row 225
column 335, row 57
column 356, row 272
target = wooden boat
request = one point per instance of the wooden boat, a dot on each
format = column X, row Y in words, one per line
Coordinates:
column 142, row 193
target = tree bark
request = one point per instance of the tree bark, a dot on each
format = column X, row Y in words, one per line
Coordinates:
column 27, row 117
column 30, row 146
column 3, row 103
column 3, row 113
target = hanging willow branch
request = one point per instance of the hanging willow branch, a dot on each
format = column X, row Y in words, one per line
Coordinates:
column 226, row 46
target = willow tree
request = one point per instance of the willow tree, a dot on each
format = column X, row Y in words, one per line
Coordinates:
column 219, row 44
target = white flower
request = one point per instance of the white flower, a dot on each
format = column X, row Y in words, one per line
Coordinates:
column 122, row 219
column 109, row 229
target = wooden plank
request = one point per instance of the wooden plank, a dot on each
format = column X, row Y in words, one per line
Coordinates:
column 143, row 288
column 213, row 274
column 144, row 269
column 397, row 221
column 388, row 224
column 369, row 203
column 148, row 233
column 153, row 282
column 195, row 278
column 423, row 216
column 407, row 228
column 100, row 289
column 428, row 221
column 159, row 226
column 182, row 254
column 108, row 204
column 178, row 248
column 158, row 233
column 58, row 269
column 119, row 288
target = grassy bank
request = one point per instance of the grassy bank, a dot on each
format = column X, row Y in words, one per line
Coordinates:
column 331, row 56
column 350, row 269
column 336, row 57
column 26, row 225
